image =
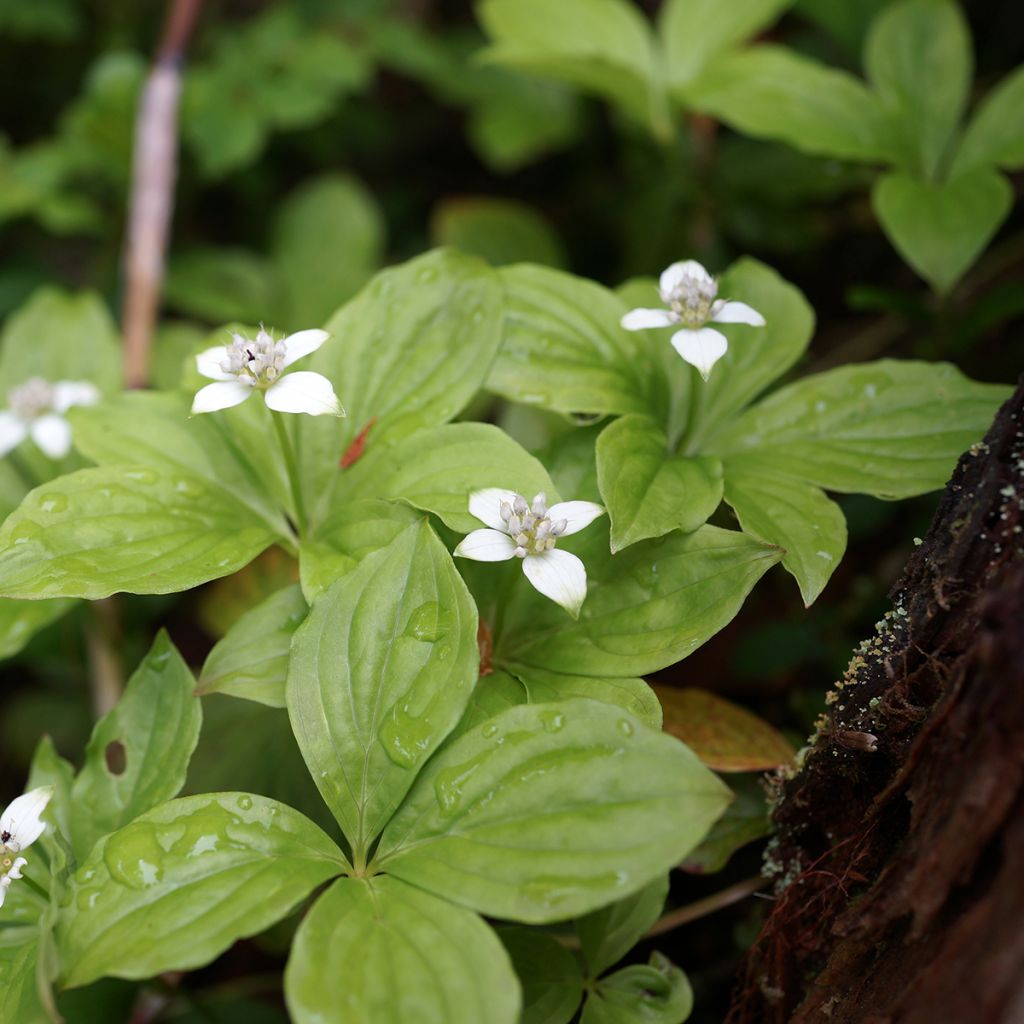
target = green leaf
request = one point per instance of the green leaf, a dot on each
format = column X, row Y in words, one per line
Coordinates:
column 251, row 660
column 437, row 469
column 145, row 428
column 549, row 974
column 180, row 884
column 648, row 491
column 219, row 284
column 136, row 529
column 346, row 537
column 35, row 341
column 724, row 735
column 891, row 428
column 380, row 673
column 21, row 1003
column 647, row 607
column 228, row 113
column 695, row 33
column 745, row 820
column 563, row 348
column 995, row 134
column 408, row 352
column 770, row 92
column 918, row 58
column 608, row 934
column 21, row 620
column 630, row 694
column 493, row 693
column 600, row 46
column 328, row 240
column 155, row 727
column 548, row 811
column 757, row 356
column 654, row 993
column 50, row 769
column 796, row 516
column 222, row 763
column 12, row 488
column 502, row 231
column 376, row 949
column 941, row 229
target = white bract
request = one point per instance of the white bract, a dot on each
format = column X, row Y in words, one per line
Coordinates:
column 36, row 409
column 529, row 531
column 21, row 825
column 244, row 366
column 691, row 293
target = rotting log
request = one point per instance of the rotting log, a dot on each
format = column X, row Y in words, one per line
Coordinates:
column 899, row 856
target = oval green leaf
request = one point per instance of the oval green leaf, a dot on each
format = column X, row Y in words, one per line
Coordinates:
column 376, row 949
column 154, row 727
column 380, row 673
column 251, row 659
column 124, row 528
column 647, row 490
column 548, row 811
column 437, row 469
column 183, row 882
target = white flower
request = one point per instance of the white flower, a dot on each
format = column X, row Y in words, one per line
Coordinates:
column 690, row 293
column 21, row 825
column 519, row 529
column 36, row 409
column 245, row 366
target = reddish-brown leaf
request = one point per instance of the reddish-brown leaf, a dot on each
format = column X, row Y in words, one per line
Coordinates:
column 725, row 736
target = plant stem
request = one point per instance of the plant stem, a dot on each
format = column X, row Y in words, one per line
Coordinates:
column 291, row 468
column 701, row 908
column 36, row 887
column 106, row 673
column 691, row 912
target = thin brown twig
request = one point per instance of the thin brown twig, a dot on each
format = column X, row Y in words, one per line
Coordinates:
column 154, row 171
column 691, row 912
column 701, row 908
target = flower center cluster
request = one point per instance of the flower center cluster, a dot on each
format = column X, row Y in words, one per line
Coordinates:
column 32, row 399
column 693, row 299
column 257, row 363
column 529, row 525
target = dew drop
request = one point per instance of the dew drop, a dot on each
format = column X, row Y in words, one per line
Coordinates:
column 189, row 488
column 142, row 476
column 405, row 739
column 552, row 721
column 133, row 856
column 625, row 727
column 429, row 622
column 25, row 531
column 245, row 802
column 53, row 503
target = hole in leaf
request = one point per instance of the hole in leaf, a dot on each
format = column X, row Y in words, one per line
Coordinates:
column 116, row 758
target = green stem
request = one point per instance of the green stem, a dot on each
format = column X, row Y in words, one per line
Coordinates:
column 291, row 468
column 36, row 887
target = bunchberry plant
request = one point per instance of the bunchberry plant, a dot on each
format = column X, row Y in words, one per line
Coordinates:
column 690, row 293
column 488, row 755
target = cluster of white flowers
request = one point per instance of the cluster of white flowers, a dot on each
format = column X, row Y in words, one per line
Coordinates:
column 691, row 295
column 529, row 531
column 247, row 365
column 21, row 825
column 36, row 409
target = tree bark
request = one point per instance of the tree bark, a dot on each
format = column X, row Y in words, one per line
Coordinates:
column 899, row 857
